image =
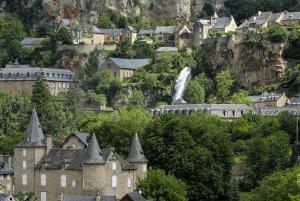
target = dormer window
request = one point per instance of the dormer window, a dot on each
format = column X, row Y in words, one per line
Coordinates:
column 235, row 113
column 114, row 165
column 225, row 112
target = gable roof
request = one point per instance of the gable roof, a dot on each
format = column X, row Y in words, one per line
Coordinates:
column 131, row 28
column 265, row 97
column 221, row 23
column 4, row 197
column 5, row 168
column 93, row 153
column 134, row 196
column 165, row 29
column 291, row 16
column 32, row 41
column 112, row 32
column 34, row 133
column 96, row 30
column 130, row 63
column 146, row 32
column 136, row 153
column 82, row 137
column 260, row 19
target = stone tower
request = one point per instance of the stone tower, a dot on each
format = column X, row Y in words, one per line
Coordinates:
column 94, row 168
column 27, row 154
column 136, row 157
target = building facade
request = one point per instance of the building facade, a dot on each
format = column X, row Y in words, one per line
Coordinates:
column 20, row 78
column 50, row 173
column 123, row 68
column 6, row 175
column 229, row 111
column 266, row 100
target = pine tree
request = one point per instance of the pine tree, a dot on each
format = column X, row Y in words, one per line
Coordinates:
column 40, row 94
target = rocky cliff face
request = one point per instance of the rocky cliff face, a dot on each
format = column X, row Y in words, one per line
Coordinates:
column 151, row 9
column 254, row 60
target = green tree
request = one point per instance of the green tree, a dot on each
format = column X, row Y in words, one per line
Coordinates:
column 137, row 99
column 40, row 94
column 240, row 97
column 92, row 64
column 158, row 186
column 279, row 186
column 104, row 22
column 64, row 36
column 224, row 83
column 194, row 92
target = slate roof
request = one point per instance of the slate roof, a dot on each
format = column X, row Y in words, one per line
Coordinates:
column 221, row 23
column 165, row 29
column 25, row 72
column 88, row 198
column 261, row 19
column 132, row 29
column 136, row 153
column 32, row 41
column 146, row 32
column 265, row 97
column 72, row 159
column 135, row 196
column 83, row 137
column 291, row 16
column 204, row 22
column 274, row 111
column 112, row 32
column 93, row 153
column 295, row 101
column 34, row 134
column 205, row 106
column 96, row 30
column 4, row 197
column 167, row 49
column 5, row 168
column 244, row 24
column 130, row 63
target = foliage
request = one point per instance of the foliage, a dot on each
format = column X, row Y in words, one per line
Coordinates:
column 240, row 97
column 279, row 186
column 158, row 186
column 194, row 92
column 278, row 34
column 40, row 94
column 24, row 196
column 116, row 129
column 137, row 99
column 124, row 50
column 195, row 144
column 224, row 84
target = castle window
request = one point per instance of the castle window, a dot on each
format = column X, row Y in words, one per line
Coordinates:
column 43, row 196
column 24, row 179
column 7, row 177
column 1, row 177
column 24, row 164
column 43, row 180
column 63, row 180
column 73, row 183
column 114, row 181
column 129, row 182
column 144, row 168
column 114, row 165
column 24, row 152
column 8, row 188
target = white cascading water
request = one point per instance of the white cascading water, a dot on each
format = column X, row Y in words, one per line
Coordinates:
column 181, row 83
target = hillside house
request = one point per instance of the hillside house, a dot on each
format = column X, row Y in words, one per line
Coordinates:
column 266, row 100
column 130, row 34
column 164, row 33
column 123, row 68
column 112, row 35
column 183, row 36
column 96, row 37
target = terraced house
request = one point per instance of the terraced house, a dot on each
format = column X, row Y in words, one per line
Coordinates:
column 76, row 168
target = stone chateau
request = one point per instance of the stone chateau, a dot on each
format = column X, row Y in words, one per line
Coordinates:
column 76, row 168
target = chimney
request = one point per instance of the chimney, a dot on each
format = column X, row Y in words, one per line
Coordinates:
column 258, row 13
column 98, row 196
column 8, row 160
column 61, row 138
column 48, row 143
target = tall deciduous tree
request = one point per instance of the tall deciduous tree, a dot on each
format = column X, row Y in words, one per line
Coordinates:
column 158, row 186
column 40, row 94
column 194, row 92
column 224, row 83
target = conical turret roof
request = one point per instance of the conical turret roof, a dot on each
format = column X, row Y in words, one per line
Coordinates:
column 215, row 15
column 34, row 132
column 136, row 153
column 93, row 152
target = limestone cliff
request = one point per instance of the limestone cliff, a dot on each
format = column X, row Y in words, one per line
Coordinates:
column 253, row 59
column 151, row 9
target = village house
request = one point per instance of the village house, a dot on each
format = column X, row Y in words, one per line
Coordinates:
column 228, row 111
column 164, row 33
column 146, row 33
column 266, row 100
column 32, row 42
column 51, row 173
column 6, row 175
column 112, row 35
column 291, row 18
column 130, row 34
column 16, row 78
column 96, row 37
column 203, row 28
column 123, row 68
column 183, row 36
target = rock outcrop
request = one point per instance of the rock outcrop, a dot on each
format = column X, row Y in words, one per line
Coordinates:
column 253, row 59
column 151, row 9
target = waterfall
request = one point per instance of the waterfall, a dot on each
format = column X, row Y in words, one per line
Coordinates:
column 181, row 83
